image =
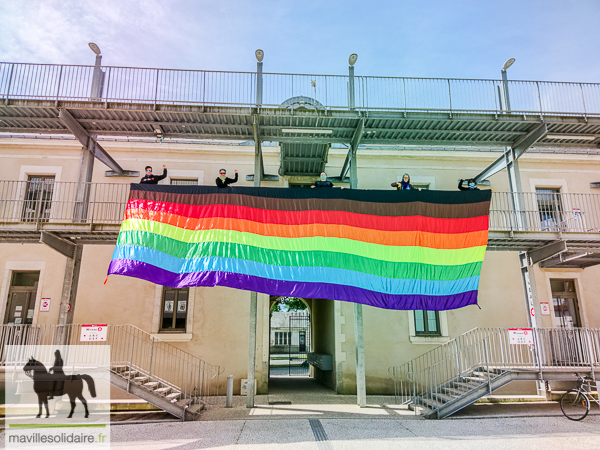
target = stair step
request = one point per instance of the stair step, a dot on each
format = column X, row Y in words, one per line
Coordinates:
column 152, row 384
column 465, row 386
column 130, row 373
column 119, row 368
column 455, row 392
column 430, row 403
column 477, row 380
column 184, row 402
column 482, row 374
column 162, row 390
column 444, row 397
column 173, row 396
column 140, row 379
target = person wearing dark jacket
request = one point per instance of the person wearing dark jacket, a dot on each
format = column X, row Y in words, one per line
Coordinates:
column 472, row 186
column 404, row 185
column 149, row 178
column 223, row 181
column 322, row 182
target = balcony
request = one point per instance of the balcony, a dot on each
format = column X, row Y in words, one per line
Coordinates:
column 227, row 105
column 91, row 213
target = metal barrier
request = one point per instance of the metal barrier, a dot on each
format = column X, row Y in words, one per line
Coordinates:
column 151, row 86
column 545, row 211
column 46, row 201
column 484, row 354
column 129, row 346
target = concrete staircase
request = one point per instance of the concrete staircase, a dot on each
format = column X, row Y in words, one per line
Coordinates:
column 153, row 370
column 475, row 364
column 155, row 391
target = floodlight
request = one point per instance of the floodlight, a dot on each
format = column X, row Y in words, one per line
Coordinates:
column 259, row 55
column 95, row 48
column 509, row 62
column 352, row 59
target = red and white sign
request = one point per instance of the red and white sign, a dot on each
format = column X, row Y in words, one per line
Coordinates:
column 545, row 307
column 93, row 333
column 45, row 304
column 520, row 336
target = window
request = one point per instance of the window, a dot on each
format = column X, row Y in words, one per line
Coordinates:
column 174, row 309
column 550, row 208
column 184, row 181
column 427, row 323
column 564, row 300
column 282, row 338
column 38, row 198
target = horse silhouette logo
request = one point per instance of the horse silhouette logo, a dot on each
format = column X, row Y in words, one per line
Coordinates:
column 48, row 385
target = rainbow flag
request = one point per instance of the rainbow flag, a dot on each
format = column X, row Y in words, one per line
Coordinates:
column 389, row 249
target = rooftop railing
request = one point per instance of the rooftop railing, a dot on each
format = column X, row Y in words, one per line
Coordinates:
column 40, row 202
column 201, row 87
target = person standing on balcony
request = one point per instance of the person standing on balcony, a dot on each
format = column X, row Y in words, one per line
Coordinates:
column 322, row 182
column 471, row 185
column 404, row 185
column 223, row 181
column 149, row 178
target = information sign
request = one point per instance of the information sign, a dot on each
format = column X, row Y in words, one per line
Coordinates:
column 520, row 336
column 95, row 333
column 545, row 307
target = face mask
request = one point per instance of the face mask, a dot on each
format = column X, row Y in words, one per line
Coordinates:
column 323, row 177
column 471, row 185
column 222, row 177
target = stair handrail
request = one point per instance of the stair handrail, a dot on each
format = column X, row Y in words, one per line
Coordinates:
column 132, row 346
column 552, row 347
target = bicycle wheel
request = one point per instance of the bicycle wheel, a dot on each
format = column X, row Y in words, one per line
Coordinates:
column 574, row 405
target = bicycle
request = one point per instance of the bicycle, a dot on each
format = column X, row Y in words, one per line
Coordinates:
column 575, row 403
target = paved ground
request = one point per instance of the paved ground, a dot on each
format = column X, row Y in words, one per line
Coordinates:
column 309, row 416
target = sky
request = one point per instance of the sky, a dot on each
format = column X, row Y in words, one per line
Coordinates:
column 551, row 40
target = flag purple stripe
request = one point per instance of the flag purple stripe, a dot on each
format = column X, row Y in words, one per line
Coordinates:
column 145, row 271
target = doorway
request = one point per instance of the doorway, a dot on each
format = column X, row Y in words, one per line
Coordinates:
column 21, row 298
column 290, row 338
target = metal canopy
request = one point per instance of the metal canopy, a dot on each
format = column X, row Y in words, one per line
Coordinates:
column 307, row 127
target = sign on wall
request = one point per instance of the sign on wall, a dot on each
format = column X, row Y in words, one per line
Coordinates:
column 93, row 333
column 545, row 307
column 520, row 336
column 45, row 304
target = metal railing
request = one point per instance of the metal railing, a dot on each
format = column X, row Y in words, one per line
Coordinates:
column 484, row 354
column 39, row 202
column 62, row 202
column 545, row 211
column 129, row 346
column 166, row 86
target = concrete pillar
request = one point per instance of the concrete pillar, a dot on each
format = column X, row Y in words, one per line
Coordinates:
column 253, row 295
column 361, row 387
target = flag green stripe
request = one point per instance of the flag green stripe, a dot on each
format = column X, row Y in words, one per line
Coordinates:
column 399, row 270
column 438, row 257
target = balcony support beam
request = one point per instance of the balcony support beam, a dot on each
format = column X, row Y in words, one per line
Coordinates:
column 547, row 251
column 62, row 246
column 89, row 142
column 354, row 143
column 511, row 154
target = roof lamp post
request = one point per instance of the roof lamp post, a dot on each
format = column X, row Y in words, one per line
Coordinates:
column 351, row 61
column 259, row 57
column 98, row 78
column 504, row 97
